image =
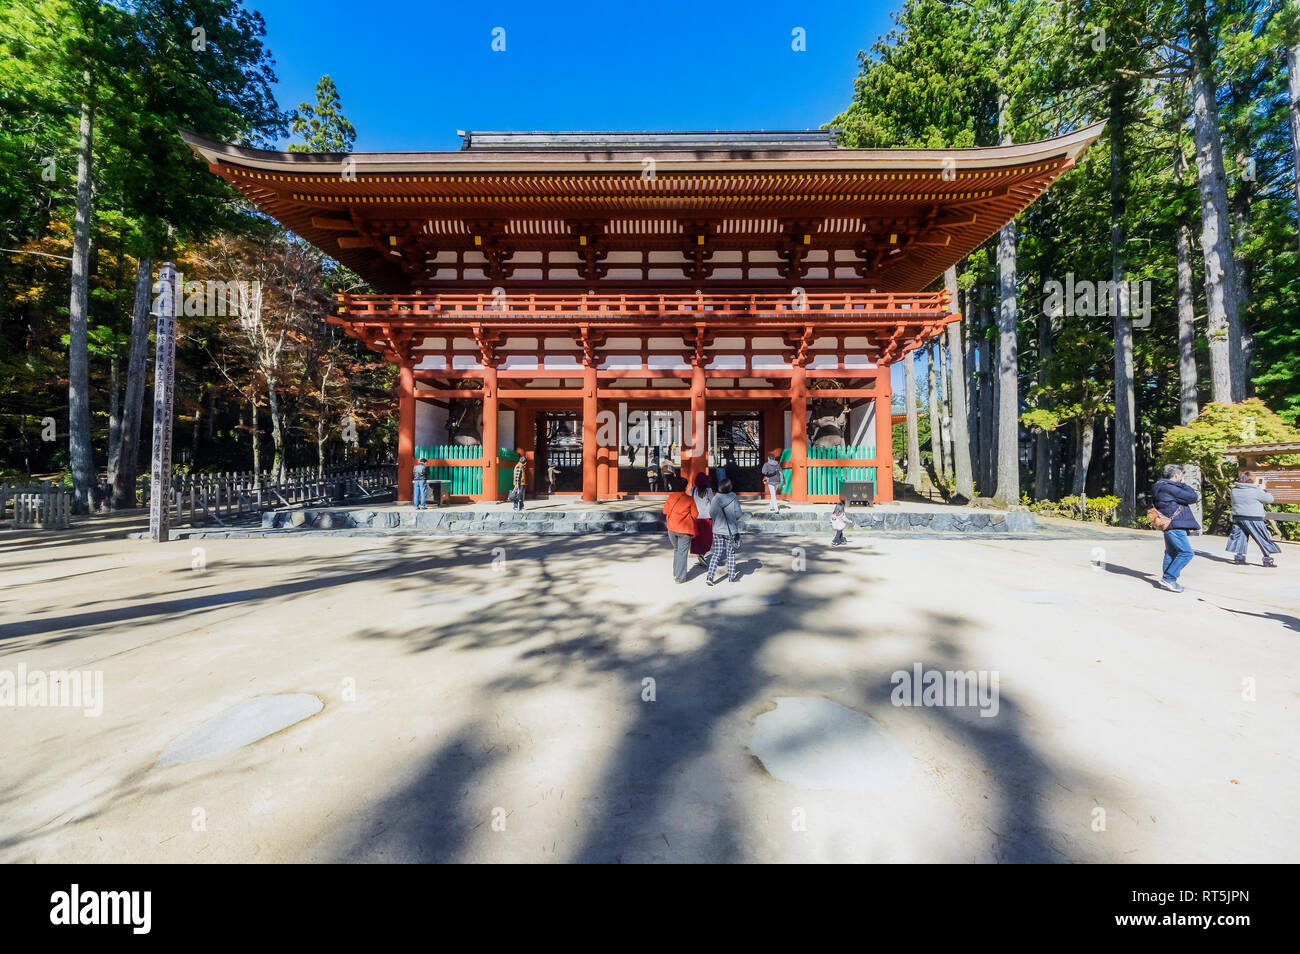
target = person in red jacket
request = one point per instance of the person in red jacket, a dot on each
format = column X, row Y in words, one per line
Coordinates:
column 681, row 512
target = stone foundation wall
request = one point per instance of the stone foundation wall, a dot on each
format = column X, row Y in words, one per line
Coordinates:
column 503, row 520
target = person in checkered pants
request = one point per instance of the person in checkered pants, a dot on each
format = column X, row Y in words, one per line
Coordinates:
column 726, row 531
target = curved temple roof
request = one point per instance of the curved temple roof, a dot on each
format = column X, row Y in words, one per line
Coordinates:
column 648, row 211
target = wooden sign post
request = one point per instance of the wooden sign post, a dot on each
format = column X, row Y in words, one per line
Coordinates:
column 160, row 473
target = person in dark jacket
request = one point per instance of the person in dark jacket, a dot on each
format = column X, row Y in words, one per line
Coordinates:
column 726, row 512
column 1249, row 494
column 1172, row 497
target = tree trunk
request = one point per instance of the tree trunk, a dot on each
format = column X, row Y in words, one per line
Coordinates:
column 1293, row 116
column 1008, row 473
column 932, row 394
column 278, row 463
column 136, row 372
column 80, row 453
column 972, row 364
column 1085, row 429
column 1188, row 378
column 114, row 419
column 1227, row 370
column 913, row 441
column 320, row 446
column 257, row 443
column 945, row 412
column 1125, row 477
column 196, row 430
column 1239, row 206
column 965, row 484
column 986, row 445
column 321, row 429
column 1044, row 441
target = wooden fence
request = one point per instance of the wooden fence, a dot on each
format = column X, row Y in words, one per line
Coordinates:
column 224, row 497
column 824, row 480
column 43, row 511
column 10, row 492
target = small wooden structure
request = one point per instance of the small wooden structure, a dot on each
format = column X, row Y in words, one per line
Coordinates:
column 1283, row 480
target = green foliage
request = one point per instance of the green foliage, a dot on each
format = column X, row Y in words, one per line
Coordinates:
column 147, row 75
column 1202, row 442
column 937, row 80
column 323, row 127
column 1089, row 509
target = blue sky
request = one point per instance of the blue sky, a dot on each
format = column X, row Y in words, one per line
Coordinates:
column 412, row 73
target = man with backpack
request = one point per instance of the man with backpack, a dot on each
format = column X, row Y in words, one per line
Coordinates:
column 772, row 477
column 1172, row 516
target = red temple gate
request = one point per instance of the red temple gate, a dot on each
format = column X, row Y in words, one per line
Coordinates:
column 619, row 272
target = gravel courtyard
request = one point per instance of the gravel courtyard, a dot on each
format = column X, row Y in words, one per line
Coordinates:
column 561, row 699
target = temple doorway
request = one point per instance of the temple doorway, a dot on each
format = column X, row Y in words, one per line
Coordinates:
column 735, row 450
column 558, row 460
column 650, row 451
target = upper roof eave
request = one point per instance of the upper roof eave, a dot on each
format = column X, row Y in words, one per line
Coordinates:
column 463, row 161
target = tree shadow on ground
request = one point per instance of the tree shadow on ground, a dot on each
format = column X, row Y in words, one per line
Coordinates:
column 1021, row 777
column 640, row 799
column 321, row 575
column 545, row 601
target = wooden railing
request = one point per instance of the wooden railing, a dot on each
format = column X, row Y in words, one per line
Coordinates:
column 219, row 498
column 925, row 306
column 224, row 498
column 48, row 510
column 828, row 467
column 9, row 492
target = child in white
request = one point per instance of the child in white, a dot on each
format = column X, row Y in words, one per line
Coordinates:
column 839, row 523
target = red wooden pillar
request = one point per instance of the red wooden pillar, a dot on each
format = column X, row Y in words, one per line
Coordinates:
column 589, row 448
column 526, row 441
column 491, row 452
column 602, row 463
column 773, row 431
column 405, row 429
column 699, row 426
column 884, row 436
column 799, row 434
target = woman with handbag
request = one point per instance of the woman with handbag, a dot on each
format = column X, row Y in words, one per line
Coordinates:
column 517, row 491
column 702, row 493
column 1171, row 515
column 726, row 531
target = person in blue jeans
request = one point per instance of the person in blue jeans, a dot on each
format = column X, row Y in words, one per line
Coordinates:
column 1172, row 497
column 419, row 475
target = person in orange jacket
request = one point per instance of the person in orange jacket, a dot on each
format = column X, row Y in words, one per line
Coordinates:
column 681, row 512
